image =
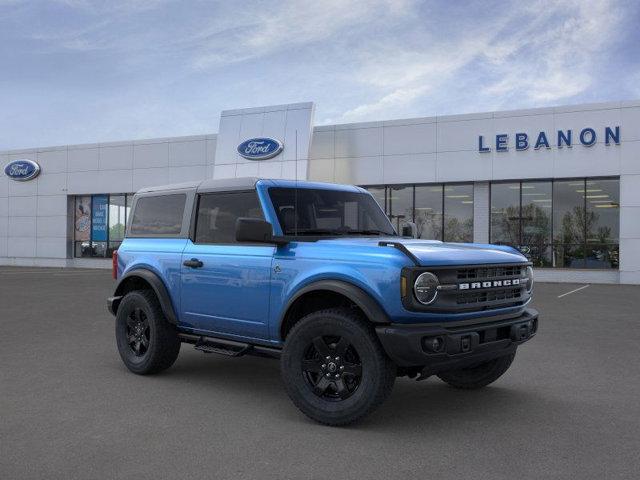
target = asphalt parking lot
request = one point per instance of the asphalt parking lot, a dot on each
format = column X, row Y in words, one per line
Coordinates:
column 568, row 408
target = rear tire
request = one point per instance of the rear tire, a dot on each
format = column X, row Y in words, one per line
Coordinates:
column 146, row 341
column 334, row 368
column 478, row 376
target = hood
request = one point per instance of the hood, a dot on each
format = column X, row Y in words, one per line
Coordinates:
column 435, row 253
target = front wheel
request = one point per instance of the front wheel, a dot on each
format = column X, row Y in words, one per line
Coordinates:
column 334, row 368
column 478, row 376
column 147, row 343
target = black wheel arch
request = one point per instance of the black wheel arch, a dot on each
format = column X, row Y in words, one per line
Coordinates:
column 370, row 308
column 140, row 279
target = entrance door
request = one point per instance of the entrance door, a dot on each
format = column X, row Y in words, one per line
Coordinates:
column 225, row 284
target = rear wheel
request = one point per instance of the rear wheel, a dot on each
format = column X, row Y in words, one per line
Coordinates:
column 478, row 376
column 334, row 368
column 147, row 343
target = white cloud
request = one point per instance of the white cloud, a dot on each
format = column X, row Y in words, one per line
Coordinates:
column 543, row 52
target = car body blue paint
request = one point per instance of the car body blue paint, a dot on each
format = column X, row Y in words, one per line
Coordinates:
column 243, row 290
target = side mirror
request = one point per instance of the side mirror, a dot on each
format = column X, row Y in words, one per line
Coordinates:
column 410, row 229
column 255, row 230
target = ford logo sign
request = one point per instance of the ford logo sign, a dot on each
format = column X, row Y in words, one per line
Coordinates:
column 22, row 170
column 260, row 148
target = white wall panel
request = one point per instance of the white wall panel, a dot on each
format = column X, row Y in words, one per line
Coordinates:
column 359, row 171
column 52, row 247
column 117, row 157
column 51, row 205
column 52, row 226
column 414, row 168
column 21, row 246
column 322, row 144
column 151, row 155
column 83, row 159
column 150, row 177
column 22, row 227
column 52, row 183
column 463, row 166
column 322, row 170
column 52, row 161
column 358, row 142
column 420, row 138
column 630, row 124
column 187, row 153
column 22, row 206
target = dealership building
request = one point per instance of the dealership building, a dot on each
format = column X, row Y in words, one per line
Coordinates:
column 562, row 184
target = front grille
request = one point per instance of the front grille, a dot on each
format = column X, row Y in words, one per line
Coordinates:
column 477, row 273
column 468, row 298
column 472, row 288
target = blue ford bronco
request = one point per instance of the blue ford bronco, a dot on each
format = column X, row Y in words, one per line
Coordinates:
column 313, row 274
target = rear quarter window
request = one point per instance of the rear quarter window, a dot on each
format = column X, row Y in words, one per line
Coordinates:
column 159, row 215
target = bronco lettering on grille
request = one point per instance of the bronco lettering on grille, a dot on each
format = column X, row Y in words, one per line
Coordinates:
column 489, row 284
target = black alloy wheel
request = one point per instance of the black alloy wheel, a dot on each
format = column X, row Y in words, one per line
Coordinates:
column 146, row 341
column 332, row 368
column 138, row 332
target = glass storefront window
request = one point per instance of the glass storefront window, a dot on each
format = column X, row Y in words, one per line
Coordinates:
column 400, row 203
column 99, row 223
column 563, row 223
column 603, row 223
column 458, row 213
column 505, row 213
column 536, row 222
column 428, row 211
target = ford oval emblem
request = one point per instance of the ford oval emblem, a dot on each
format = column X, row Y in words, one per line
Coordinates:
column 22, row 170
column 260, row 148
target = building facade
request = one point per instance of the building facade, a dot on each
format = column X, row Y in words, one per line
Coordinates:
column 561, row 184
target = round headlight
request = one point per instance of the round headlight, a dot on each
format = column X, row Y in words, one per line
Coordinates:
column 426, row 288
column 529, row 274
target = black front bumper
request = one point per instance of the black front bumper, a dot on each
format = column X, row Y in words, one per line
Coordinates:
column 442, row 347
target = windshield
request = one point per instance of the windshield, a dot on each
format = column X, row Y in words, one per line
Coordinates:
column 328, row 212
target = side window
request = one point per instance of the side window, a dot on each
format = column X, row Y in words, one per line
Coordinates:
column 158, row 215
column 218, row 212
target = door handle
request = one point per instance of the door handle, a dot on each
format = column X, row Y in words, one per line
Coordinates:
column 193, row 263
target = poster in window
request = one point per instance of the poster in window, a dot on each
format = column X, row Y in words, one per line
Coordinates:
column 99, row 207
column 83, row 218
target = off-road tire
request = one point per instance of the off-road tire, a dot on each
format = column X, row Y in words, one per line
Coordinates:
column 478, row 376
column 377, row 371
column 162, row 338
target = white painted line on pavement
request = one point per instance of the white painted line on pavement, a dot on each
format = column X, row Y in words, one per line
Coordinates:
column 573, row 291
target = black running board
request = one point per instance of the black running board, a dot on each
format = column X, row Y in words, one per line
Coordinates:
column 230, row 348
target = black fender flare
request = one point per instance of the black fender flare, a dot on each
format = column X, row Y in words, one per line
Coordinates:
column 157, row 285
column 369, row 306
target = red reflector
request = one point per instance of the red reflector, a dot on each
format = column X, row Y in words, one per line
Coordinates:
column 114, row 264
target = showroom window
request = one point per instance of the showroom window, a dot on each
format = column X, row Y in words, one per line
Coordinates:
column 440, row 212
column 99, row 223
column 562, row 223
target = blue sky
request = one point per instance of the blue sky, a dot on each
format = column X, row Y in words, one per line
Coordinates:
column 77, row 71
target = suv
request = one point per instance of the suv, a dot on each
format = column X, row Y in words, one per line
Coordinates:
column 313, row 274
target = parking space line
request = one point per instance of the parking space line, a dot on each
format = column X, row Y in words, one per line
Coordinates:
column 573, row 291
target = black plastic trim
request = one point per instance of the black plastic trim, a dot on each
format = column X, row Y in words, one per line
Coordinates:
column 372, row 310
column 156, row 284
column 403, row 343
column 401, row 246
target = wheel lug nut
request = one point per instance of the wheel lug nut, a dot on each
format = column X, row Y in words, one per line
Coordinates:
column 328, row 358
column 337, row 376
column 328, row 375
column 341, row 367
column 337, row 359
column 324, row 366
